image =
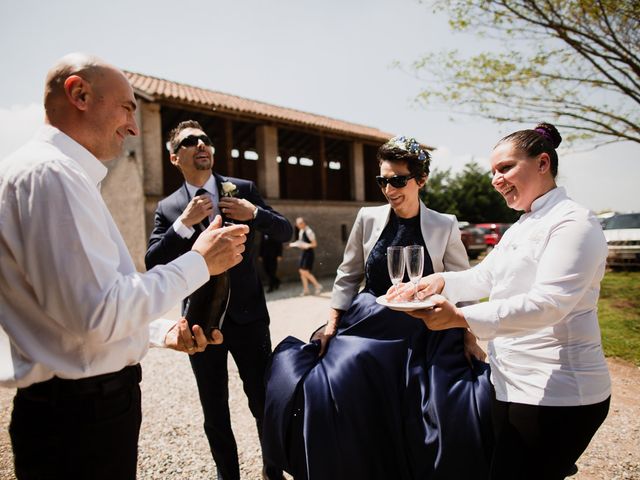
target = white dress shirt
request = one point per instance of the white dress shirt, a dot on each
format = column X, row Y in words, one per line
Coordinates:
column 212, row 189
column 311, row 236
column 543, row 282
column 73, row 304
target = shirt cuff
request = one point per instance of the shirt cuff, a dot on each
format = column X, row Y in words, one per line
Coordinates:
column 450, row 292
column 158, row 330
column 182, row 230
column 194, row 269
column 483, row 319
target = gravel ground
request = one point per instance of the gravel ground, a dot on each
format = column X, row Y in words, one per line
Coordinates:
column 173, row 444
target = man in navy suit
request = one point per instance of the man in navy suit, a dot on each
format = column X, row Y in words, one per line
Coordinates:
column 179, row 219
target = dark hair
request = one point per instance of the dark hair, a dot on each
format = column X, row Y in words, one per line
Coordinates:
column 544, row 138
column 173, row 134
column 393, row 153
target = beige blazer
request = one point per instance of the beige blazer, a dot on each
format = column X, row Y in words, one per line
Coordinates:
column 440, row 233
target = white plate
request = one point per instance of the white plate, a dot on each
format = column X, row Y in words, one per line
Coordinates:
column 405, row 306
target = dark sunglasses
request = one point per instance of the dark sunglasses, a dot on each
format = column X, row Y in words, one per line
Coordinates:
column 192, row 141
column 397, row 181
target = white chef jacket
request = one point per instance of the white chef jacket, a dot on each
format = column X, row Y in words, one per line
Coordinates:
column 72, row 303
column 543, row 282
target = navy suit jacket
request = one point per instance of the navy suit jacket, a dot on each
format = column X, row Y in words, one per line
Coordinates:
column 247, row 303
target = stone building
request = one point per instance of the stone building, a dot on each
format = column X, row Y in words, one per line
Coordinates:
column 303, row 164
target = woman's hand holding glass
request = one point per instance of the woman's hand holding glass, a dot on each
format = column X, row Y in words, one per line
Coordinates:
column 427, row 286
column 430, row 285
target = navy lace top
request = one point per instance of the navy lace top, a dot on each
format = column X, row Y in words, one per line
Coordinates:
column 401, row 232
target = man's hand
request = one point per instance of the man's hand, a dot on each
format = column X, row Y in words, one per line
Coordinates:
column 221, row 247
column 237, row 208
column 180, row 338
column 198, row 209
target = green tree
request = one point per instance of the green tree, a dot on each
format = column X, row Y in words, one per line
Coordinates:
column 468, row 195
column 575, row 63
column 438, row 194
column 477, row 200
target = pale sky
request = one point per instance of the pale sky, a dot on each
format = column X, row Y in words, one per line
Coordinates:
column 330, row 57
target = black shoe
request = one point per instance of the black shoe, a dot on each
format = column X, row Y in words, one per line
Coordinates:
column 572, row 471
column 271, row 473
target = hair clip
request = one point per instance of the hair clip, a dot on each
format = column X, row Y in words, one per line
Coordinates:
column 408, row 145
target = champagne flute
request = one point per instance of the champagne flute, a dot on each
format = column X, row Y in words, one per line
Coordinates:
column 414, row 261
column 395, row 265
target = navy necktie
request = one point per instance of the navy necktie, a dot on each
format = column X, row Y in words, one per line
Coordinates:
column 202, row 191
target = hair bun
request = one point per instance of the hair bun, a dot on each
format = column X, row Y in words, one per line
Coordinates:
column 549, row 132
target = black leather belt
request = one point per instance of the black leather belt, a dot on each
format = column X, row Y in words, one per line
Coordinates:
column 97, row 385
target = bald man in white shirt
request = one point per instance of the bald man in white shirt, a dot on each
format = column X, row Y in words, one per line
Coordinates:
column 76, row 316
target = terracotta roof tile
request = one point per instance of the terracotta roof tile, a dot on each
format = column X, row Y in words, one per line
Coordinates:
column 160, row 89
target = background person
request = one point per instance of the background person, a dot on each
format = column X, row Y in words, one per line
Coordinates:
column 75, row 316
column 552, row 386
column 246, row 319
column 307, row 243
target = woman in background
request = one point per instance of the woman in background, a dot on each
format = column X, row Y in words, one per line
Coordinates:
column 307, row 243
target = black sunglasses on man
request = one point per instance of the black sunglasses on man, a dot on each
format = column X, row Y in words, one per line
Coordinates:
column 192, row 141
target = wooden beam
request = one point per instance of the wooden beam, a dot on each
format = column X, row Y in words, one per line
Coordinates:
column 228, row 146
column 323, row 169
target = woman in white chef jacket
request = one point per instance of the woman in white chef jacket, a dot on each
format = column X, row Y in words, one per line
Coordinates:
column 552, row 385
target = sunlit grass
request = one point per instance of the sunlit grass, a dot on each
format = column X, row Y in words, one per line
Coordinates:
column 619, row 315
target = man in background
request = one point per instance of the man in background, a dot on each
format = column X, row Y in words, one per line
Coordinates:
column 307, row 243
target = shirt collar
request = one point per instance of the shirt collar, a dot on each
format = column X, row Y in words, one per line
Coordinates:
column 210, row 186
column 549, row 198
column 94, row 168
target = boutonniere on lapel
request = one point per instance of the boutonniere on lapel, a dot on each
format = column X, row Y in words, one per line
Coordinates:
column 229, row 189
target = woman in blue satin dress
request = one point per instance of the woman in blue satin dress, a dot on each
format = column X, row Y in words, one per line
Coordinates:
column 376, row 395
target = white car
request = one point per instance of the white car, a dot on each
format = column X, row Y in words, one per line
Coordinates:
column 622, row 232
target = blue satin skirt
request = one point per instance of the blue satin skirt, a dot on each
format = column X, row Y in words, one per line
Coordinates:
column 389, row 400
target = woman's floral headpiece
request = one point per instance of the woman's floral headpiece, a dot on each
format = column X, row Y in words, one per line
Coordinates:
column 410, row 145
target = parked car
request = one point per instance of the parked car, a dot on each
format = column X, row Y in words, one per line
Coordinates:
column 493, row 232
column 473, row 239
column 622, row 232
column 603, row 218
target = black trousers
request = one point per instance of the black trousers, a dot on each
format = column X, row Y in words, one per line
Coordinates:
column 250, row 346
column 80, row 429
column 539, row 442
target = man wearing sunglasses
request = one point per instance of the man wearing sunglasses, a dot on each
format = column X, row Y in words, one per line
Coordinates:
column 179, row 219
